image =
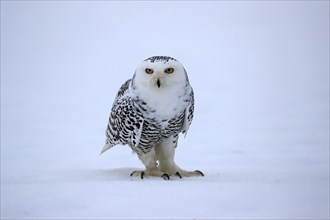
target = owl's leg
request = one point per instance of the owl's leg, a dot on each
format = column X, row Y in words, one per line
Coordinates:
column 150, row 162
column 165, row 153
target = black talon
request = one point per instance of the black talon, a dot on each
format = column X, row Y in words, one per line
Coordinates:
column 132, row 173
column 200, row 172
column 165, row 176
column 142, row 174
column 178, row 174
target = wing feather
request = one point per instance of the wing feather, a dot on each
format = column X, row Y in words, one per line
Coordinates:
column 125, row 122
column 189, row 113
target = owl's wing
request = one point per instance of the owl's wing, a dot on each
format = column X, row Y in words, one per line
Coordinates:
column 189, row 113
column 125, row 122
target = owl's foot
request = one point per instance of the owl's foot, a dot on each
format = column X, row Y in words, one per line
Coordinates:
column 166, row 176
column 138, row 173
column 174, row 170
column 154, row 172
column 142, row 174
column 184, row 173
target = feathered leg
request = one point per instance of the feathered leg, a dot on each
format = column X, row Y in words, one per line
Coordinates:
column 150, row 162
column 165, row 152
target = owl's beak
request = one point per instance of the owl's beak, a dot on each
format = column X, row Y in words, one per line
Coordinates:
column 158, row 83
column 158, row 79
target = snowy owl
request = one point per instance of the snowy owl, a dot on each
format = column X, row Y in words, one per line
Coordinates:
column 149, row 112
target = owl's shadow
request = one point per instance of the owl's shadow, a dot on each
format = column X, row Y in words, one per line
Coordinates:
column 105, row 175
column 115, row 174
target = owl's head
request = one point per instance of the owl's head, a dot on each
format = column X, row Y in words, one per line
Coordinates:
column 160, row 72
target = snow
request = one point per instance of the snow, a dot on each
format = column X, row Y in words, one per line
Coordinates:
column 260, row 72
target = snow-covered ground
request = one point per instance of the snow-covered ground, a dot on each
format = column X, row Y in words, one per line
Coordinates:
column 260, row 71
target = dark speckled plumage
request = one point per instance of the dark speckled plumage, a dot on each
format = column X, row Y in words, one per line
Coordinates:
column 159, row 59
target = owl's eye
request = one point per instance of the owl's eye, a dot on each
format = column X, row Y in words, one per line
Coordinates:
column 169, row 70
column 149, row 70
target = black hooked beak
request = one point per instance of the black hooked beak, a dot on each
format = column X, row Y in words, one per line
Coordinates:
column 158, row 83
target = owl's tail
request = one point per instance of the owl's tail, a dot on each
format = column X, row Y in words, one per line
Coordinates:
column 106, row 147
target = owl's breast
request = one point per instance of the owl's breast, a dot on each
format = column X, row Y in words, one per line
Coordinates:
column 155, row 131
column 161, row 113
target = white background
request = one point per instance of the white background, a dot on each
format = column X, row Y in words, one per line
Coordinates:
column 260, row 71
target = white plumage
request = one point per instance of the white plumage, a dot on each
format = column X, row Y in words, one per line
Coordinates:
column 149, row 112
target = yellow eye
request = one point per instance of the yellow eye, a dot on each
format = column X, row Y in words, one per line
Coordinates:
column 169, row 70
column 149, row 70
